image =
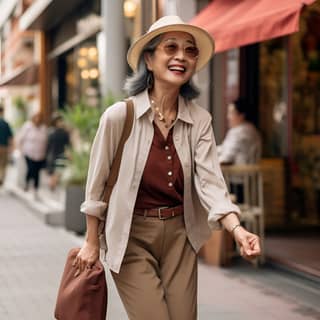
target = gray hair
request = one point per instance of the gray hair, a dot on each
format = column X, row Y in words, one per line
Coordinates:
column 143, row 78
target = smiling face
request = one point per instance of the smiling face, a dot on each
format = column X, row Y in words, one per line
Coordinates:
column 174, row 60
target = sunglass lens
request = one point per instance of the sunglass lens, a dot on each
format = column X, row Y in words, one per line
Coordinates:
column 192, row 51
column 171, row 48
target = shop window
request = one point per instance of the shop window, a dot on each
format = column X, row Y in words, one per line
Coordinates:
column 306, row 117
column 82, row 75
column 273, row 103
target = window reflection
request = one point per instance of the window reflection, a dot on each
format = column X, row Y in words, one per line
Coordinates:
column 82, row 76
column 306, row 117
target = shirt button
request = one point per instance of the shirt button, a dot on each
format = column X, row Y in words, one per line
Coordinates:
column 166, row 148
column 170, row 184
column 169, row 157
column 170, row 173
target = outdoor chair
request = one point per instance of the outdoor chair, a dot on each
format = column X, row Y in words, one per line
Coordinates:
column 250, row 179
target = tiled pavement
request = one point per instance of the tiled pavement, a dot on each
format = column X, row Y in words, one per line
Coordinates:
column 32, row 255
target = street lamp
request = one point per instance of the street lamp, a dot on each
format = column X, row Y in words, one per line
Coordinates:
column 130, row 8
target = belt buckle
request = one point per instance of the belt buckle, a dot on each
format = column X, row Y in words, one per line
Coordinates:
column 159, row 213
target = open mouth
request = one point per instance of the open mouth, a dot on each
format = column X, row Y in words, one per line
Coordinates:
column 176, row 68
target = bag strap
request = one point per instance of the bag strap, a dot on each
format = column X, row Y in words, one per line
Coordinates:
column 114, row 171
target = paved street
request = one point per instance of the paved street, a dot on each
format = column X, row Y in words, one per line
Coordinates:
column 32, row 256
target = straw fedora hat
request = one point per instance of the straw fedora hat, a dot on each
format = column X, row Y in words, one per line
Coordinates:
column 203, row 40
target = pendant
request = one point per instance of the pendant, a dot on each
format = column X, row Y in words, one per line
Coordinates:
column 160, row 115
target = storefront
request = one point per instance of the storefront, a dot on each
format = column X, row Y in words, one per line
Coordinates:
column 76, row 75
column 289, row 108
column 280, row 79
column 277, row 69
column 84, row 46
column 74, row 59
column 89, row 61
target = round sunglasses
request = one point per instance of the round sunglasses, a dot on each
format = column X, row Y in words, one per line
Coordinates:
column 171, row 48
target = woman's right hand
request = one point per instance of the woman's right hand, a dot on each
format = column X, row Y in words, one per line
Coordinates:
column 87, row 256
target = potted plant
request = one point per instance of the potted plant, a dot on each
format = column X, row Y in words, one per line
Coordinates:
column 83, row 121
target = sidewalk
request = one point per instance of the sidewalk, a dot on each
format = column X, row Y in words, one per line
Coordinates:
column 32, row 256
column 50, row 206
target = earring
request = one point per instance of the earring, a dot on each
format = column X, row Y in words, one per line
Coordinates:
column 150, row 80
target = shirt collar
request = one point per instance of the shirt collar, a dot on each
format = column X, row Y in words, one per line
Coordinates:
column 184, row 110
column 142, row 106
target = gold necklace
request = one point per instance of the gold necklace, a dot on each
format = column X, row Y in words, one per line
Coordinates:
column 167, row 122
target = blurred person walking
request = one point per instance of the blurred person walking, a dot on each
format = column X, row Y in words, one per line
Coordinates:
column 6, row 144
column 170, row 188
column 58, row 141
column 32, row 142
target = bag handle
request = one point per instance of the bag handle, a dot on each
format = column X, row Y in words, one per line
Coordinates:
column 114, row 171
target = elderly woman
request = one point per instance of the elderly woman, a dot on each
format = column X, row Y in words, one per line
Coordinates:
column 170, row 192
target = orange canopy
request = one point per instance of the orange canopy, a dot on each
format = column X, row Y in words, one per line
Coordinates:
column 234, row 23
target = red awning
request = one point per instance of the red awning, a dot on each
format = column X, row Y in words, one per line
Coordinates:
column 234, row 23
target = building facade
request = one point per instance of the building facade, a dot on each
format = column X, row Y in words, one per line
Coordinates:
column 19, row 64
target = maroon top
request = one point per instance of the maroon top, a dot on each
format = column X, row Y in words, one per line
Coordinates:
column 162, row 179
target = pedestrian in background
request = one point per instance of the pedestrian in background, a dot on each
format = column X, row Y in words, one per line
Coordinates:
column 170, row 187
column 6, row 143
column 58, row 141
column 32, row 142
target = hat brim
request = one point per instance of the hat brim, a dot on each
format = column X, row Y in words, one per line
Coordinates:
column 203, row 40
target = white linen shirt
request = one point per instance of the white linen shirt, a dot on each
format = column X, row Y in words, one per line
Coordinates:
column 206, row 198
column 242, row 145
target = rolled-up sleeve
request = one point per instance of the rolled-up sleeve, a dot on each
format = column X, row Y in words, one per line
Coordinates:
column 101, row 156
column 209, row 182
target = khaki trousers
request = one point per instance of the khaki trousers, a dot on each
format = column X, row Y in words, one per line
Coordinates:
column 158, row 276
column 3, row 162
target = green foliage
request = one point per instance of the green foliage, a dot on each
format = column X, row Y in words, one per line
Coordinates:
column 76, row 170
column 21, row 107
column 110, row 99
column 19, row 103
column 84, row 121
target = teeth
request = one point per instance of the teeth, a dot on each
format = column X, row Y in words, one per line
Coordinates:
column 176, row 68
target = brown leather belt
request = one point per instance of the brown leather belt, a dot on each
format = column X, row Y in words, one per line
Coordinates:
column 162, row 213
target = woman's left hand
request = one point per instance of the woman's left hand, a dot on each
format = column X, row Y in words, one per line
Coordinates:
column 248, row 242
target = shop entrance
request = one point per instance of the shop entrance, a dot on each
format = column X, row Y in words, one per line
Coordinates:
column 289, row 114
column 289, row 118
